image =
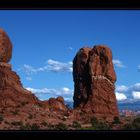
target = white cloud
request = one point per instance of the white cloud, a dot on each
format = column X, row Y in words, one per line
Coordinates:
column 118, row 63
column 52, row 65
column 29, row 78
column 57, row 66
column 139, row 68
column 132, row 91
column 120, row 96
column 136, row 94
column 70, row 48
column 135, row 87
column 64, row 92
column 28, row 69
column 121, row 88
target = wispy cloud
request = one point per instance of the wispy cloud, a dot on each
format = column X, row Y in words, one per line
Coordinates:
column 29, row 78
column 121, row 88
column 139, row 68
column 118, row 63
column 57, row 66
column 28, row 69
column 135, row 87
column 65, row 92
column 52, row 65
column 70, row 48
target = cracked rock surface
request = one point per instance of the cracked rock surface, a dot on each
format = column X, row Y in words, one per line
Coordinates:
column 94, row 78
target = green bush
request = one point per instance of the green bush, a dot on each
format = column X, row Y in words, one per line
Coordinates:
column 134, row 125
column 99, row 125
column 30, row 116
column 116, row 120
column 128, row 126
column 17, row 123
column 15, row 112
column 1, row 118
column 25, row 126
column 23, row 103
column 50, row 126
column 102, row 126
column 61, row 126
column 35, row 126
column 76, row 124
column 44, row 123
column 94, row 121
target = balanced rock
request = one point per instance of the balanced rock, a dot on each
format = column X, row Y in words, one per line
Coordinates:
column 17, row 103
column 94, row 78
column 5, row 47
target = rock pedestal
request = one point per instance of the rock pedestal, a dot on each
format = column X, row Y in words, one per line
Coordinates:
column 94, row 78
column 5, row 47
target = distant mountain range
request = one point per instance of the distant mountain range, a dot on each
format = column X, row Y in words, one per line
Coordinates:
column 128, row 104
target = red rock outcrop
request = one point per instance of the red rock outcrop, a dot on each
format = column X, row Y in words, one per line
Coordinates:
column 94, row 79
column 18, row 106
column 5, row 47
column 55, row 104
column 11, row 91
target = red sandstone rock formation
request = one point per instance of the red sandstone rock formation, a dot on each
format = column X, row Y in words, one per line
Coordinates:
column 18, row 104
column 11, row 91
column 5, row 47
column 94, row 79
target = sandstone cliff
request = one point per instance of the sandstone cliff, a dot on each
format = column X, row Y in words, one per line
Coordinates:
column 94, row 79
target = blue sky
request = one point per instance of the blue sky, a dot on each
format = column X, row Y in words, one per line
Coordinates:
column 46, row 41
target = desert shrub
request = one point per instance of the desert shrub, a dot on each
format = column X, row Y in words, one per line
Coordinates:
column 102, row 126
column 44, row 123
column 94, row 121
column 61, row 126
column 76, row 124
column 50, row 126
column 25, row 126
column 1, row 118
column 15, row 112
column 23, row 103
column 34, row 126
column 116, row 120
column 17, row 123
column 134, row 125
column 128, row 126
column 99, row 125
column 30, row 116
column 63, row 119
